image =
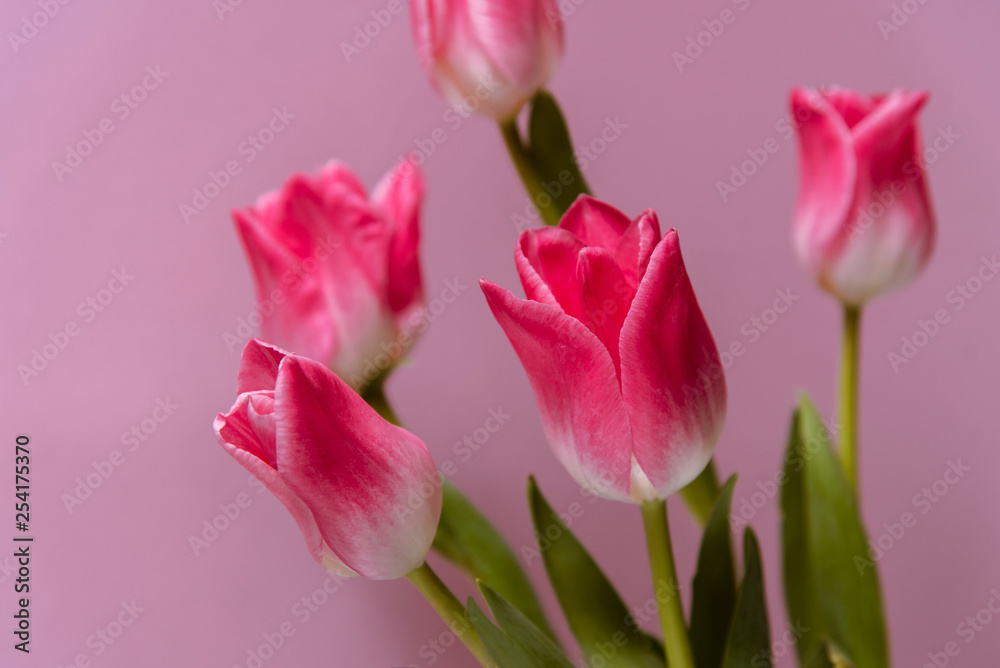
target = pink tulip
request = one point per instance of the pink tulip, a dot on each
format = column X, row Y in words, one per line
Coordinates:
column 364, row 493
column 864, row 223
column 623, row 365
column 337, row 272
column 488, row 55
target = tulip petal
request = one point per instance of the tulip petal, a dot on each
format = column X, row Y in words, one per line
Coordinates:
column 237, row 437
column 851, row 105
column 649, row 237
column 546, row 261
column 595, row 222
column 258, row 367
column 575, row 384
column 666, row 346
column 828, row 175
column 889, row 246
column 399, row 196
column 511, row 35
column 605, row 298
column 358, row 474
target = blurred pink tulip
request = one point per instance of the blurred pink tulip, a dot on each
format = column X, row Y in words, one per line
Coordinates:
column 339, row 270
column 488, row 55
column 864, row 224
column 623, row 365
column 364, row 492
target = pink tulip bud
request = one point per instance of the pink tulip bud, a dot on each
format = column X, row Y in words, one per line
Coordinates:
column 623, row 365
column 339, row 270
column 864, row 223
column 488, row 55
column 364, row 492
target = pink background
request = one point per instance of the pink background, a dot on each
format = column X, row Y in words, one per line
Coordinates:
column 162, row 337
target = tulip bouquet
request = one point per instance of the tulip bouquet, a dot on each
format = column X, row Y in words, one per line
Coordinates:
column 624, row 368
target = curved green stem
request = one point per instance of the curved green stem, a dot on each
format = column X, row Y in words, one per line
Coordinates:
column 374, row 395
column 451, row 610
column 661, row 562
column 526, row 169
column 849, row 395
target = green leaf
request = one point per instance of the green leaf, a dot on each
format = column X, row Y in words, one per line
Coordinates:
column 540, row 650
column 597, row 616
column 701, row 494
column 551, row 152
column 749, row 642
column 831, row 587
column 506, row 652
column 467, row 539
column 714, row 588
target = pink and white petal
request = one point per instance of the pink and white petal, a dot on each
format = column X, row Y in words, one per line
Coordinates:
column 546, row 262
column 666, row 346
column 270, row 257
column 428, row 19
column 595, row 222
column 828, row 177
column 576, row 388
column 510, row 34
column 399, row 197
column 605, row 298
column 233, row 431
column 258, row 366
column 357, row 473
column 336, row 180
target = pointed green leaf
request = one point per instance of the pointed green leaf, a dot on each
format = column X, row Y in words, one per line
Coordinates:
column 701, row 494
column 831, row 587
column 551, row 151
column 596, row 614
column 506, row 652
column 714, row 589
column 536, row 645
column 749, row 642
column 467, row 539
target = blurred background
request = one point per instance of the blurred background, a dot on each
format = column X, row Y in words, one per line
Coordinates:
column 170, row 92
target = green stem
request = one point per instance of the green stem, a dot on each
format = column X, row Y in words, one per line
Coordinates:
column 374, row 394
column 526, row 169
column 451, row 610
column 701, row 493
column 849, row 395
column 661, row 562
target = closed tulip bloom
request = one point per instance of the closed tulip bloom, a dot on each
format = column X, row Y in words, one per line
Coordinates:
column 622, row 363
column 364, row 492
column 338, row 272
column 863, row 224
column 488, row 55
